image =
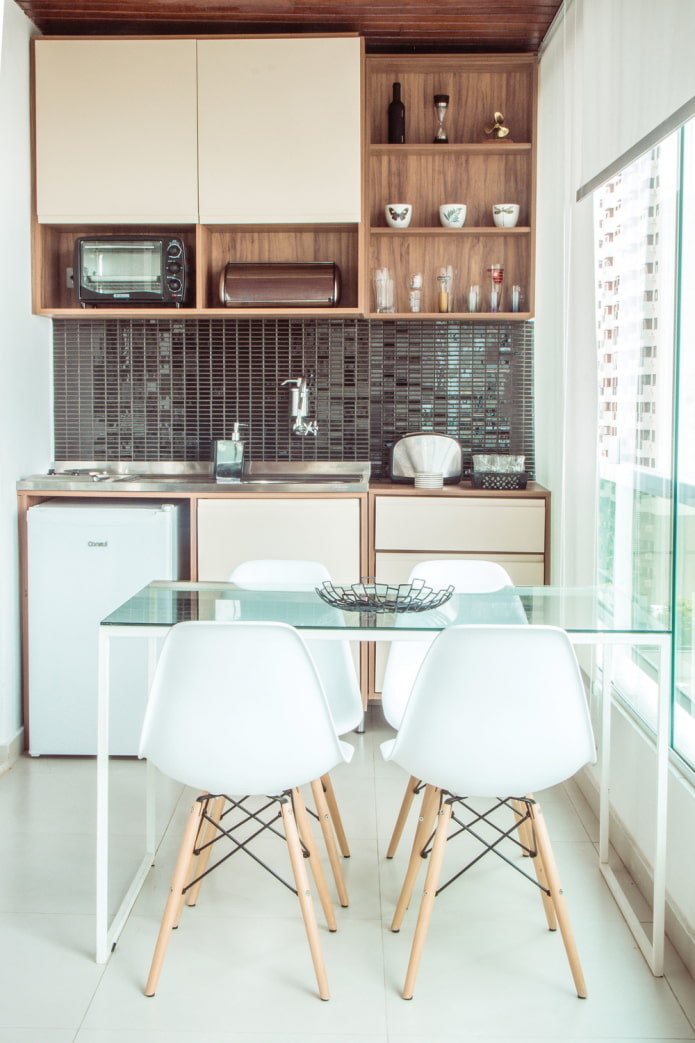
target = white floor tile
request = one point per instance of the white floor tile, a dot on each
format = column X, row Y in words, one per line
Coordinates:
column 491, row 971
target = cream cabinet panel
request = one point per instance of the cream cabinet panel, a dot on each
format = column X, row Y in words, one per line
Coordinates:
column 279, row 130
column 475, row 525
column 232, row 530
column 116, row 131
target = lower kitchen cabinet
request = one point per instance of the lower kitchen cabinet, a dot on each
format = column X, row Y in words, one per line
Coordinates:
column 409, row 527
column 315, row 528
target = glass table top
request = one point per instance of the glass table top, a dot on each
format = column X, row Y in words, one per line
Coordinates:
column 575, row 609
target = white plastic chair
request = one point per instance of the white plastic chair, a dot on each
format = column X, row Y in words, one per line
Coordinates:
column 406, row 657
column 238, row 708
column 514, row 722
column 333, row 659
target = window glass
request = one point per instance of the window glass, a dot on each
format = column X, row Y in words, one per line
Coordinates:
column 636, row 221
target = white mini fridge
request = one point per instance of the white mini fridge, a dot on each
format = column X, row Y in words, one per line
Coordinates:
column 85, row 560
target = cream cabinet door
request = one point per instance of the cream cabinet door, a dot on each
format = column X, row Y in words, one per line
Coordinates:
column 279, row 130
column 233, row 530
column 116, row 131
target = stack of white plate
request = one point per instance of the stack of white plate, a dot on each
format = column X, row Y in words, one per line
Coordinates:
column 424, row 480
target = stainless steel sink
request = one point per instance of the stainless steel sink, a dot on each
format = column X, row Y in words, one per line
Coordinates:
column 264, row 472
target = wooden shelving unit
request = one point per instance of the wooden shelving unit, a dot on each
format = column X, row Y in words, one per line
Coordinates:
column 470, row 169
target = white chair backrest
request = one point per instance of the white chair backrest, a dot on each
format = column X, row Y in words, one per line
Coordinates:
column 239, row 708
column 333, row 659
column 474, row 576
column 282, row 573
column 511, row 721
column 405, row 657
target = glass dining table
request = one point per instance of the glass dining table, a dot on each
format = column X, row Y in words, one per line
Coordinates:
column 592, row 616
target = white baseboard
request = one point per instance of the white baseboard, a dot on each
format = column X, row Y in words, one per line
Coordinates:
column 11, row 751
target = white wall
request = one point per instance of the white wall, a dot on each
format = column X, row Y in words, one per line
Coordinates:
column 610, row 72
column 25, row 356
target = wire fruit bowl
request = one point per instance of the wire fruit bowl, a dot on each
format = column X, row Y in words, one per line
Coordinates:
column 367, row 596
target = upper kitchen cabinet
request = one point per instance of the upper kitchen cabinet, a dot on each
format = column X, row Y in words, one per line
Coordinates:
column 279, row 130
column 115, row 131
column 470, row 167
column 249, row 148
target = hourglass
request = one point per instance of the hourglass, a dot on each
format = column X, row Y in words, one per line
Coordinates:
column 496, row 273
column 441, row 102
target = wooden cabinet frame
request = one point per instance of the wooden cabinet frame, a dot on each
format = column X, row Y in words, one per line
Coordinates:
column 471, row 169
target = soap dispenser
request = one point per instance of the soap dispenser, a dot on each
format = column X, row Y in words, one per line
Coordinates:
column 229, row 457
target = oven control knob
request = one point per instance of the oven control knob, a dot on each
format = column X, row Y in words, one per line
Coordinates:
column 173, row 251
column 174, row 285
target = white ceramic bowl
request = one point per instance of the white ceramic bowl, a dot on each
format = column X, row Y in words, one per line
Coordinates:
column 398, row 214
column 452, row 215
column 505, row 215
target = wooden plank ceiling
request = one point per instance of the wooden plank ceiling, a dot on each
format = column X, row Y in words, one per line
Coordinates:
column 387, row 25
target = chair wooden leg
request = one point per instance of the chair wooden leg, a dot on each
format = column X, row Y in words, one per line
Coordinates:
column 179, row 880
column 329, row 793
column 550, row 868
column 406, row 804
column 523, row 827
column 307, row 837
column 207, row 832
column 428, row 812
column 434, row 870
column 527, row 839
column 304, row 894
column 329, row 840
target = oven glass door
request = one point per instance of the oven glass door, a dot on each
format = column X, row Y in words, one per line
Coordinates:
column 122, row 269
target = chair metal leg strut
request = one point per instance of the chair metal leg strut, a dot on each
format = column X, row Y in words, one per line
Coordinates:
column 533, row 841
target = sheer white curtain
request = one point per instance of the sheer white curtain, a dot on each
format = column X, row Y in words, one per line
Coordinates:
column 610, row 72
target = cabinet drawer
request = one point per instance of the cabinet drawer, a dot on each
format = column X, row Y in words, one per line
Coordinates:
column 526, row 570
column 482, row 526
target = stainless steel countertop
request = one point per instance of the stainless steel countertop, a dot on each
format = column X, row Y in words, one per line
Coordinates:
column 167, row 478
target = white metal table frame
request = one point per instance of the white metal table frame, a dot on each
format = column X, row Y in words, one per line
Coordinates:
column 652, row 948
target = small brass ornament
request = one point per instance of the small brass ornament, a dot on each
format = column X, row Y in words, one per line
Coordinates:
column 497, row 129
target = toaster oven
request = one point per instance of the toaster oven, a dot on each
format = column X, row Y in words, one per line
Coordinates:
column 130, row 269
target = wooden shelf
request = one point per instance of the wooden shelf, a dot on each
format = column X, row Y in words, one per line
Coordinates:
column 198, row 313
column 466, row 230
column 473, row 316
column 488, row 148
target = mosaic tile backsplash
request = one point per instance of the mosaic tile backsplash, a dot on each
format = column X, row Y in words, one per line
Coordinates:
column 129, row 389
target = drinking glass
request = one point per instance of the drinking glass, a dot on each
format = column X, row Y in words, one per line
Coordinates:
column 496, row 273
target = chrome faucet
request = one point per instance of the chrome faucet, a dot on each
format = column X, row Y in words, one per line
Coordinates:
column 299, row 406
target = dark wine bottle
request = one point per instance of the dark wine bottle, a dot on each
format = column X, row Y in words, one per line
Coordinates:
column 396, row 118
